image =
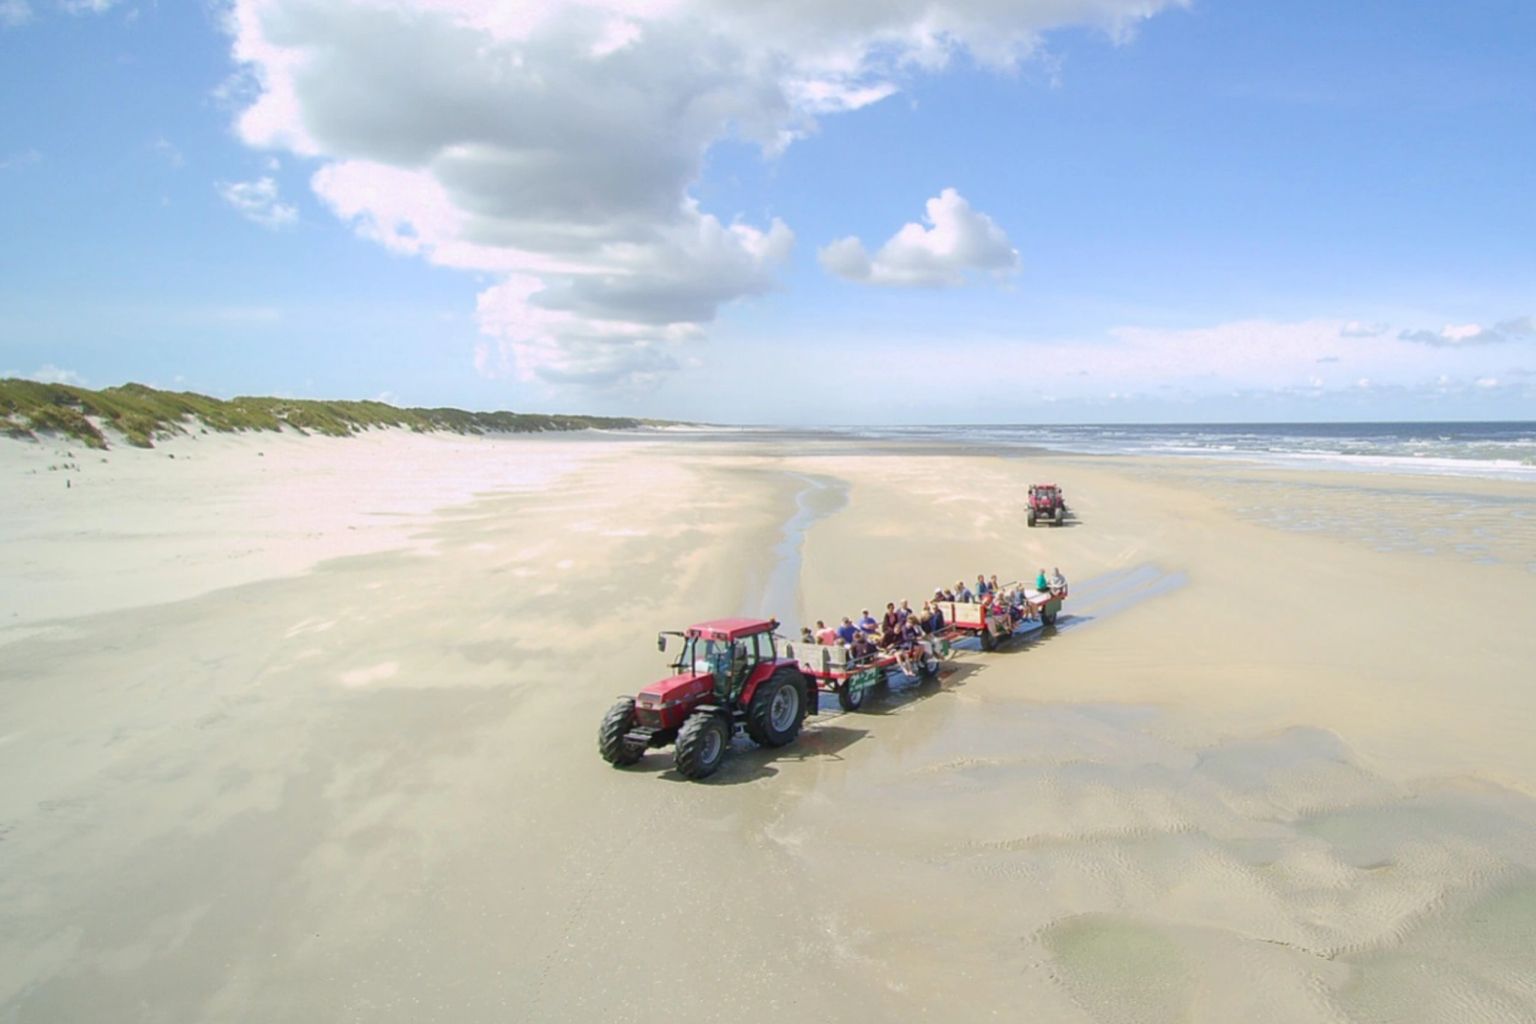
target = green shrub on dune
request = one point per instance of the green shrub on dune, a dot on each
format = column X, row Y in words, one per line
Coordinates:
column 143, row 414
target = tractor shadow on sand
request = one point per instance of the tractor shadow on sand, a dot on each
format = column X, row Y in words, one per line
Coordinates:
column 747, row 762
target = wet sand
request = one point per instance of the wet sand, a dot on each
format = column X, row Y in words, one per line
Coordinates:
column 1274, row 765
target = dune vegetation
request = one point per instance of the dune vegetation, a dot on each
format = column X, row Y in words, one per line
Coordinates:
column 141, row 415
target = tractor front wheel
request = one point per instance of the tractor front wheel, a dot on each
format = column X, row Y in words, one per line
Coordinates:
column 616, row 750
column 701, row 745
column 1061, row 515
column 1031, row 517
column 777, row 709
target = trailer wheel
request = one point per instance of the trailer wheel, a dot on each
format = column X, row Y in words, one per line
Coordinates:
column 701, row 745
column 988, row 641
column 849, row 699
column 777, row 709
column 929, row 669
column 1047, row 617
column 616, row 750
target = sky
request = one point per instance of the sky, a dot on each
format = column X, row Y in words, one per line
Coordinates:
column 845, row 211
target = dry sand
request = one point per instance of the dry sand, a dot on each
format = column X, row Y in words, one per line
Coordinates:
column 278, row 741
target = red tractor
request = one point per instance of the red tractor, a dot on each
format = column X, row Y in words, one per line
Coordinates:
column 1047, row 504
column 727, row 674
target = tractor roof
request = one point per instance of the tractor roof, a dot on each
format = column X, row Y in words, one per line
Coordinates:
column 731, row 629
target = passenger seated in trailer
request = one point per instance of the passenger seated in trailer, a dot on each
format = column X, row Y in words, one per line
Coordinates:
column 1026, row 610
column 916, row 647
column 869, row 624
column 905, row 611
column 963, row 593
column 845, row 631
column 1058, row 582
column 1041, row 583
column 992, row 584
column 905, row 649
column 806, row 636
column 982, row 589
column 825, row 634
column 890, row 626
column 861, row 650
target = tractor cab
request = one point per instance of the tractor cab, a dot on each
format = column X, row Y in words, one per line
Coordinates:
column 726, row 649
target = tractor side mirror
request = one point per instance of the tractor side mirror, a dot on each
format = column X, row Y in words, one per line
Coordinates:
column 661, row 642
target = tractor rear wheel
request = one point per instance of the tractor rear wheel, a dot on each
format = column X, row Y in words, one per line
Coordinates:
column 701, row 745
column 850, row 699
column 777, row 708
column 616, row 750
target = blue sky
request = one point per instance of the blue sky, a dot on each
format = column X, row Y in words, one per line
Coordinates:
column 1086, row 210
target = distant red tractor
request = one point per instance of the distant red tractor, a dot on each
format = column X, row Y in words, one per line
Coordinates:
column 1047, row 504
column 728, row 673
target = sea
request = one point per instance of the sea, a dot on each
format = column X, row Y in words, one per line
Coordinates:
column 1504, row 450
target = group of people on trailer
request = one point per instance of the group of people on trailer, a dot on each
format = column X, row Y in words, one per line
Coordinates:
column 909, row 636
column 902, row 633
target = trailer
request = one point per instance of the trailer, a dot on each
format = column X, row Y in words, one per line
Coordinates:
column 995, row 622
column 834, row 670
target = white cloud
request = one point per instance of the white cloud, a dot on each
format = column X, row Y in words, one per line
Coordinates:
column 956, row 241
column 1460, row 335
column 50, row 374
column 88, row 6
column 14, row 13
column 25, row 158
column 259, row 202
column 1356, row 329
column 1249, row 357
column 167, row 151
column 559, row 141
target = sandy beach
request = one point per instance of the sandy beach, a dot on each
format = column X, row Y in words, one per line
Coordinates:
column 304, row 729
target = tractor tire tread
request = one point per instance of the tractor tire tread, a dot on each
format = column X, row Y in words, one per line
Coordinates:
column 610, row 735
column 758, row 725
column 690, row 746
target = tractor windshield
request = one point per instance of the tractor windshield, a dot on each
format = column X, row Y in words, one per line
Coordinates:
column 704, row 656
column 728, row 661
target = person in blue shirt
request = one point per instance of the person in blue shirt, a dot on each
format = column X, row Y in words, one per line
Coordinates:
column 846, row 631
